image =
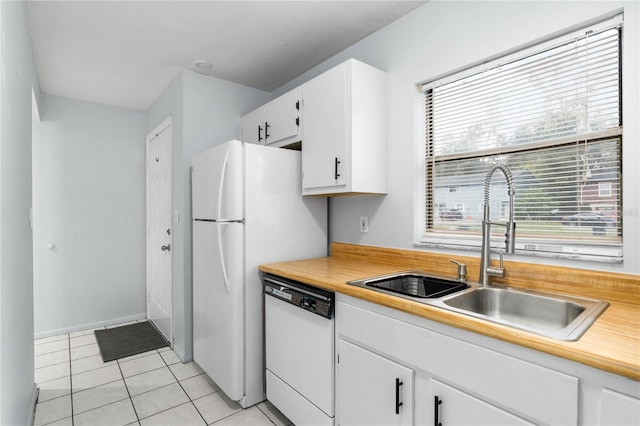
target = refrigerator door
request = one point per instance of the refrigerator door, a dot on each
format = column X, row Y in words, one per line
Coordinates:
column 218, row 294
column 217, row 183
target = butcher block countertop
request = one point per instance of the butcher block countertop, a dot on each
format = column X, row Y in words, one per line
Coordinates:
column 611, row 344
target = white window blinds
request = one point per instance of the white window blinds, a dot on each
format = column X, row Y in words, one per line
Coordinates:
column 554, row 117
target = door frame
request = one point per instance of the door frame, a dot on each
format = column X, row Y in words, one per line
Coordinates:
column 165, row 125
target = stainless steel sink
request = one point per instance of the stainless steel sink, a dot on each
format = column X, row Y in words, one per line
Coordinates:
column 556, row 316
column 413, row 284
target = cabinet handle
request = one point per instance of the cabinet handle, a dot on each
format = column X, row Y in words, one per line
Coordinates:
column 436, row 410
column 259, row 133
column 266, row 130
column 336, row 174
column 398, row 403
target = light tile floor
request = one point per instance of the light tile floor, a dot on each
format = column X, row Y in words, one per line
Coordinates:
column 153, row 388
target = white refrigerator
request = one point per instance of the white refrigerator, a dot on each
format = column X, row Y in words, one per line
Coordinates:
column 247, row 210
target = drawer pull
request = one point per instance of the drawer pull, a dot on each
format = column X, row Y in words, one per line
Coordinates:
column 398, row 402
column 436, row 409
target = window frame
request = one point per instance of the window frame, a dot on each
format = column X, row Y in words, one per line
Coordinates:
column 594, row 251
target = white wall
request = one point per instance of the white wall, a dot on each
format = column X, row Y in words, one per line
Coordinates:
column 18, row 75
column 206, row 111
column 443, row 36
column 89, row 202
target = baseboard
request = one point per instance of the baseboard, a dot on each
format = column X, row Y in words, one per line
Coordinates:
column 32, row 406
column 88, row 326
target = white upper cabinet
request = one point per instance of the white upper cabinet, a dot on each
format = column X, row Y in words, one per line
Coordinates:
column 253, row 126
column 276, row 123
column 340, row 119
column 343, row 149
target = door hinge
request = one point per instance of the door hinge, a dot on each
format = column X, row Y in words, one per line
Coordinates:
column 298, row 105
column 298, row 121
column 338, row 358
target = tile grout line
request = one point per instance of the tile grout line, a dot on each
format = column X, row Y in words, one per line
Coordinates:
column 128, row 393
column 73, row 420
column 166, row 364
column 90, row 388
column 151, row 390
column 219, row 390
column 70, row 382
column 126, row 387
column 183, row 390
column 68, row 350
column 265, row 414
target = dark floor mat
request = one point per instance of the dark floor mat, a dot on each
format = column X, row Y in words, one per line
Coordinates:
column 127, row 340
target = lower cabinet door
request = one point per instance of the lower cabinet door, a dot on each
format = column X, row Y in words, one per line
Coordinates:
column 372, row 390
column 619, row 409
column 454, row 407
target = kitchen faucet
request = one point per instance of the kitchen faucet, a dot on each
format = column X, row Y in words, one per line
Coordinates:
column 486, row 270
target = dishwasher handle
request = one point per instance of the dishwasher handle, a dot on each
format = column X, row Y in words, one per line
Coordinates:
column 291, row 287
column 303, row 296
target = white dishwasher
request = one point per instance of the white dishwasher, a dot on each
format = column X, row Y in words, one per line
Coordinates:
column 299, row 350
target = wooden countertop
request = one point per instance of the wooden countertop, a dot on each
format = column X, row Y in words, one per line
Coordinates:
column 611, row 344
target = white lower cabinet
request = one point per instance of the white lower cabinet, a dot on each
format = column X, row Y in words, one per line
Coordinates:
column 477, row 385
column 619, row 409
column 455, row 407
column 372, row 390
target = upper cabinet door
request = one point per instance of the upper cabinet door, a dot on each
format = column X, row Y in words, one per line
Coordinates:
column 276, row 123
column 253, row 126
column 282, row 118
column 326, row 109
column 344, row 143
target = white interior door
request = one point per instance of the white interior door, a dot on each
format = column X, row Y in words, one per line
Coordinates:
column 159, row 283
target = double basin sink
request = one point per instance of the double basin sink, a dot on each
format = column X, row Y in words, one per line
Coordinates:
column 555, row 316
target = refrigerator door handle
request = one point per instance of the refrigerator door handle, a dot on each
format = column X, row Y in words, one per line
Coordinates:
column 223, row 265
column 221, row 185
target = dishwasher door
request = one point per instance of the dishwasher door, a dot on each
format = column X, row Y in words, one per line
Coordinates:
column 299, row 348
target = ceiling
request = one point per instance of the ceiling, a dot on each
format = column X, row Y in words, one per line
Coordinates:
column 125, row 53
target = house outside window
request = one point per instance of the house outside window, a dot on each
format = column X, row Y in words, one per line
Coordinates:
column 604, row 189
column 552, row 113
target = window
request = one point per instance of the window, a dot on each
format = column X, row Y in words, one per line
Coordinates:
column 553, row 115
column 604, row 189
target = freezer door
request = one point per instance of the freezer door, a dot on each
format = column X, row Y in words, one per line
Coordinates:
column 218, row 288
column 216, row 183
